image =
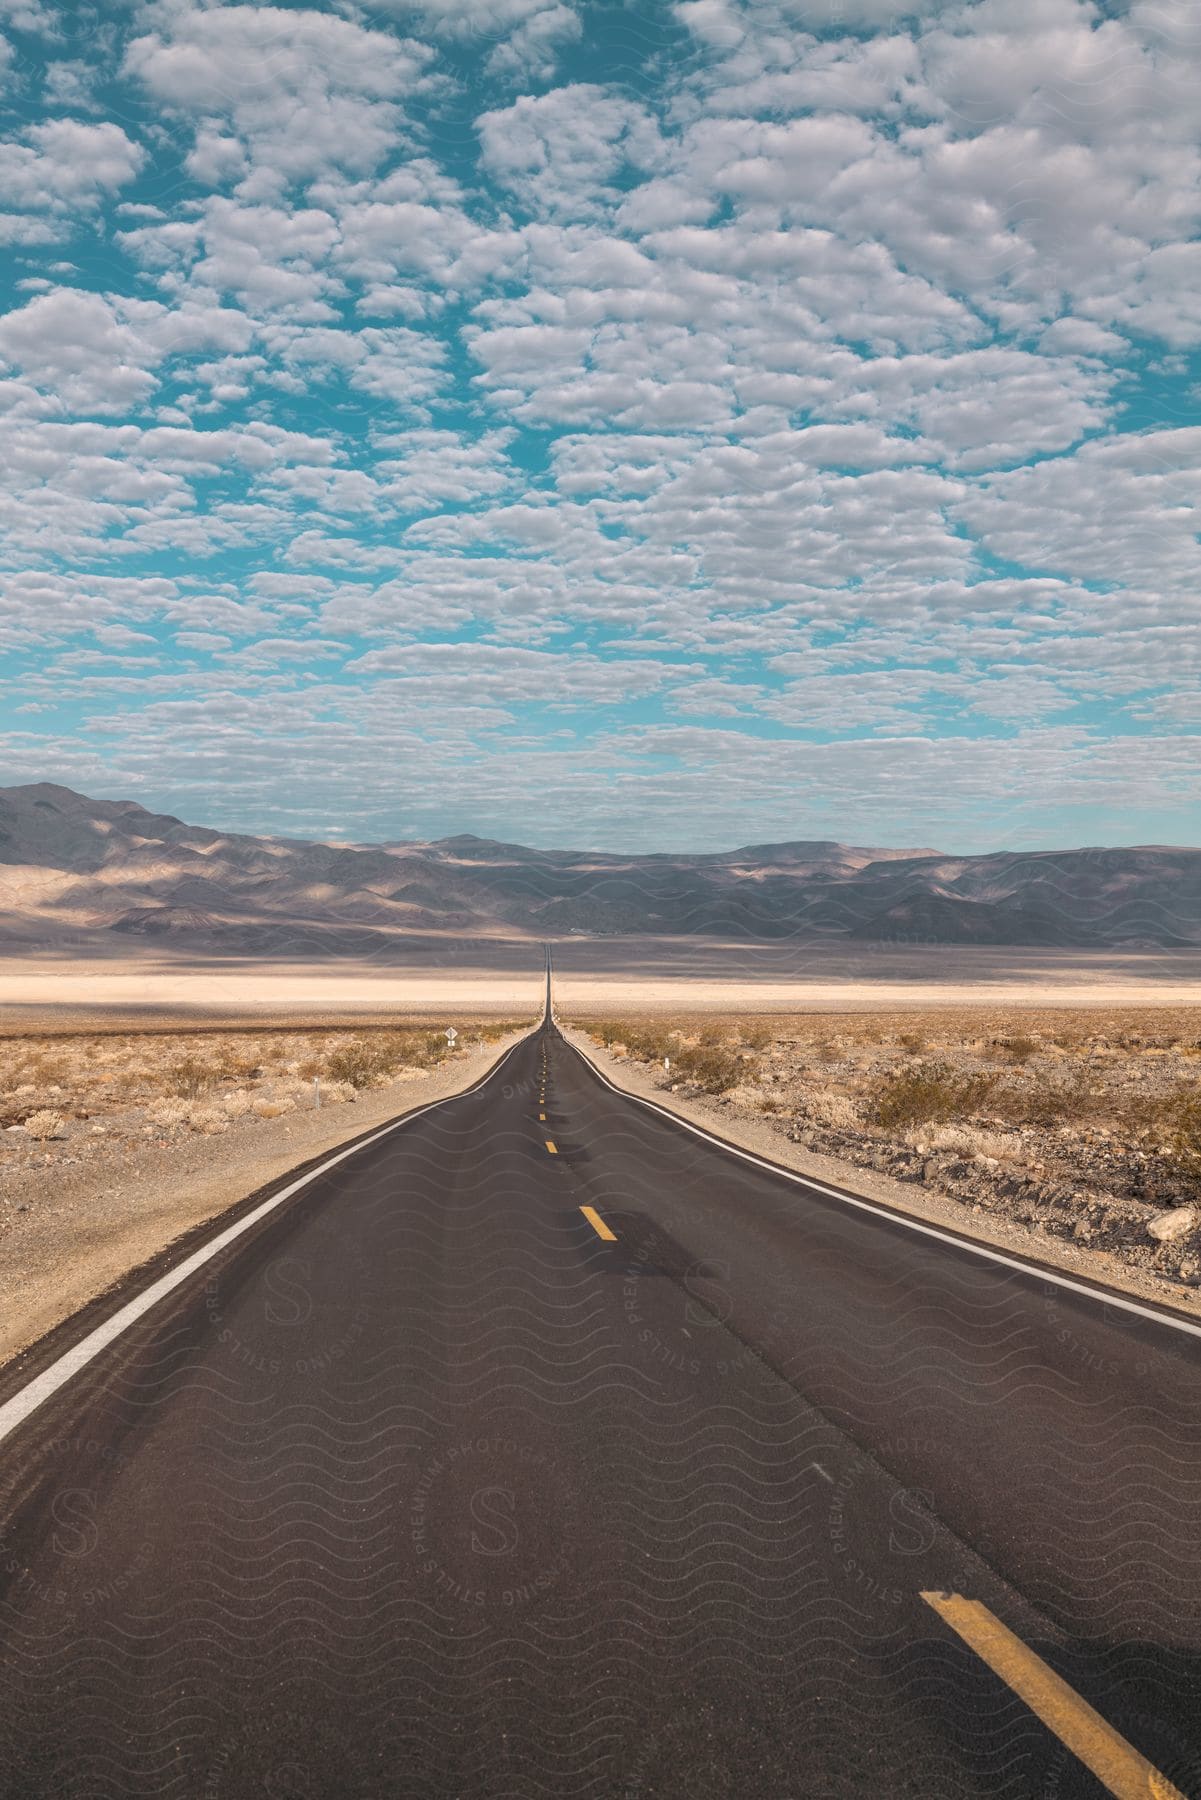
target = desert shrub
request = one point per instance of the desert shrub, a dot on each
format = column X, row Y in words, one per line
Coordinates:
column 45, row 1124
column 236, row 1105
column 606, row 1031
column 271, row 1109
column 168, row 1112
column 711, row 1068
column 190, row 1077
column 755, row 1037
column 207, row 1118
column 650, row 1042
column 426, row 1050
column 928, row 1092
column 1180, row 1125
column 711, row 1063
column 357, row 1062
column 48, row 1071
column 498, row 1028
column 1185, row 1138
column 1019, row 1049
column 392, row 1049
column 837, row 1112
column 912, row 1041
column 967, row 1141
column 1049, row 1103
column 363, row 1061
column 337, row 1091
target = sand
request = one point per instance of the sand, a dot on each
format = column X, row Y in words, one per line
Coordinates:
column 593, row 977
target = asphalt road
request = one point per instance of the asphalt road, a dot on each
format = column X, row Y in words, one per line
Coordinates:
column 425, row 1487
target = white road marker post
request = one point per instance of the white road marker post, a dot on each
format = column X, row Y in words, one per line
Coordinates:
column 317, row 1092
column 451, row 1035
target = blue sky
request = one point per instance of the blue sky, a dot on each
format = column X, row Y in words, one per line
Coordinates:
column 650, row 427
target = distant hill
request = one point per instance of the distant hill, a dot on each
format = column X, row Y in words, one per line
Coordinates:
column 72, row 868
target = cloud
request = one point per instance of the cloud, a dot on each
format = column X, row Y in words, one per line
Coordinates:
column 419, row 470
column 95, row 353
column 526, row 35
column 63, row 166
column 305, row 91
column 810, row 426
column 29, row 15
column 562, row 152
column 1119, row 511
column 79, row 347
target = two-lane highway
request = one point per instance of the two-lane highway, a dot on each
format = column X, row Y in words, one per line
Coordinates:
column 541, row 1447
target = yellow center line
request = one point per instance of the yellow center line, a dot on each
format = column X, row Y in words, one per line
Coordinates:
column 598, row 1224
column 1117, row 1765
column 552, row 1147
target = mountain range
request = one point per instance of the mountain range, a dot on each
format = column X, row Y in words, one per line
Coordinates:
column 79, row 872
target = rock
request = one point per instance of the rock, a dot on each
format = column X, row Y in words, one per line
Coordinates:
column 1172, row 1225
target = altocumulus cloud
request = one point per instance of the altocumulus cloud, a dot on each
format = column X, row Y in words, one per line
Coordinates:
column 657, row 426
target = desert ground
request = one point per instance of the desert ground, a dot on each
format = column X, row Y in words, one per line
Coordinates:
column 503, row 975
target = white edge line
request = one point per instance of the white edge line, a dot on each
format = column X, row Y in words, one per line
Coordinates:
column 27, row 1399
column 1106, row 1298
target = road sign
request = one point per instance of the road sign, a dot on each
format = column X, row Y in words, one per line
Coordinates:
column 451, row 1035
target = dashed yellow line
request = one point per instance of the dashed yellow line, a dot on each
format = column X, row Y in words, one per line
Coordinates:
column 598, row 1224
column 542, row 1116
column 1118, row 1766
column 552, row 1147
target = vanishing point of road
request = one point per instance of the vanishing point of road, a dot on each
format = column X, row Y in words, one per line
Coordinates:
column 542, row 1446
